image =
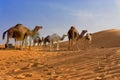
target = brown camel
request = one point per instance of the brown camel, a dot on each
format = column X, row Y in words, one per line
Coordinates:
column 73, row 36
column 19, row 32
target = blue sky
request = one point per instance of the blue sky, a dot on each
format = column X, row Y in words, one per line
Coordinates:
column 56, row 16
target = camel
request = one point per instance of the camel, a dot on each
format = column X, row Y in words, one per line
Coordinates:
column 37, row 40
column 19, row 32
column 73, row 36
column 82, row 34
column 52, row 39
column 89, row 37
column 46, row 40
column 86, row 41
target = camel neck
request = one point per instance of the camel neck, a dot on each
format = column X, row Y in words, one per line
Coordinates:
column 62, row 37
column 82, row 34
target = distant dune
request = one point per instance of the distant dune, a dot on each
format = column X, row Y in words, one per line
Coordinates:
column 107, row 38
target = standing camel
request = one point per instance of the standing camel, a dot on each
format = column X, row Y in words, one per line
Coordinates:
column 89, row 37
column 54, row 38
column 46, row 40
column 86, row 41
column 19, row 32
column 73, row 36
column 37, row 40
column 82, row 34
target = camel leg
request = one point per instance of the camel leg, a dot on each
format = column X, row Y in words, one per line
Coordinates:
column 50, row 46
column 72, row 43
column 40, row 44
column 27, row 42
column 90, row 43
column 15, row 44
column 77, row 44
column 57, row 45
column 30, row 43
column 6, row 44
column 22, row 45
column 69, row 45
column 19, row 43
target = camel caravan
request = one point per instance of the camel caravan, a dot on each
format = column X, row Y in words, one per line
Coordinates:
column 22, row 34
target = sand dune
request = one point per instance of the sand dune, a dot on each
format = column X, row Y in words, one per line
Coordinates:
column 107, row 38
column 101, row 61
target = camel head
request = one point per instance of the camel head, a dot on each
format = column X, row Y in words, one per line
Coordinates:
column 37, row 28
column 88, row 36
column 82, row 33
column 72, row 27
column 64, row 35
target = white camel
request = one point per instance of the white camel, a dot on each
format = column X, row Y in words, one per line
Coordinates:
column 87, row 40
column 88, row 37
column 55, row 38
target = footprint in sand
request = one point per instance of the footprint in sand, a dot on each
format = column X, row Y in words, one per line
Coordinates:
column 20, row 76
column 23, row 75
column 3, row 68
column 16, row 70
column 32, row 65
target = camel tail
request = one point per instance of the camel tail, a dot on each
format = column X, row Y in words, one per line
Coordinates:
column 4, row 35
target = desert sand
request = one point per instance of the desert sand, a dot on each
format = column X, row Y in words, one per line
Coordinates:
column 98, row 61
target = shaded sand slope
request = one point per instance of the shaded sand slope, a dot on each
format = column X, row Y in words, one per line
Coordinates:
column 107, row 38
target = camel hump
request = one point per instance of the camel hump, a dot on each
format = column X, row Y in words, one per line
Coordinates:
column 18, row 24
column 4, row 34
